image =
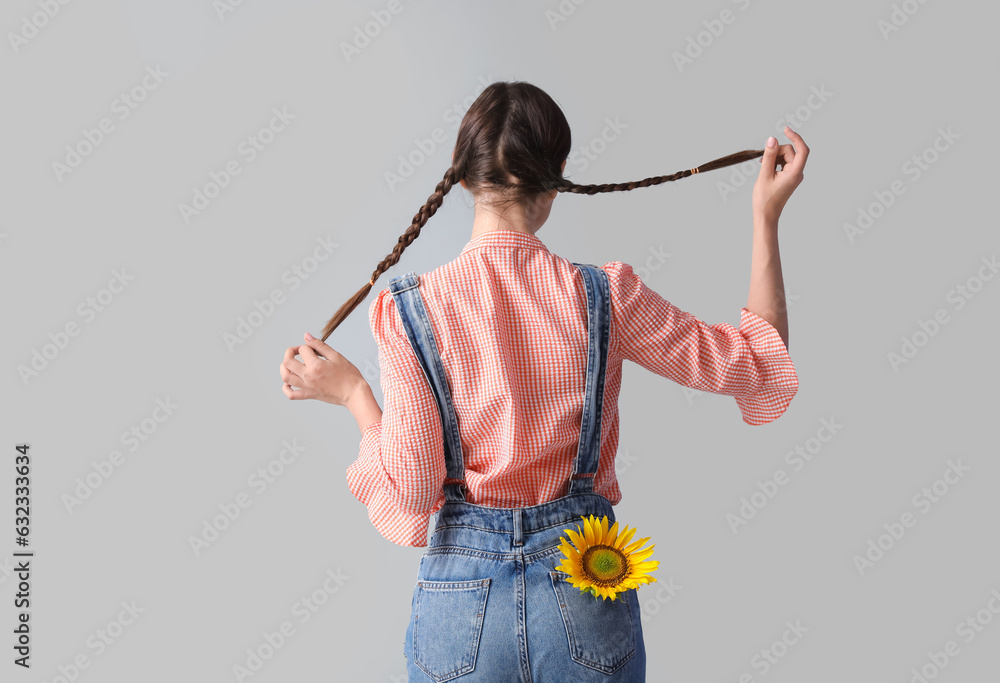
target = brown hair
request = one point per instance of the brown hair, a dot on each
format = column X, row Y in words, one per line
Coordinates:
column 513, row 139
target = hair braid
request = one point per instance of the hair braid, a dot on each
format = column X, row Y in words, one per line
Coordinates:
column 730, row 160
column 419, row 220
column 514, row 138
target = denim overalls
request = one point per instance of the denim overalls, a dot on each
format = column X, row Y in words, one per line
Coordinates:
column 488, row 604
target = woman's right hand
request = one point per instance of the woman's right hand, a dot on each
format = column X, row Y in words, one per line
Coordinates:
column 773, row 187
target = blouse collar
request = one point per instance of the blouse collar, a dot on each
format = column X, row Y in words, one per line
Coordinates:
column 504, row 238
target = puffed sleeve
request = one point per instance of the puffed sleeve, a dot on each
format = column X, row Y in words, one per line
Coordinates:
column 400, row 469
column 749, row 363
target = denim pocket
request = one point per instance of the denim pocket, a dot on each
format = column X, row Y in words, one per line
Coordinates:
column 447, row 623
column 600, row 632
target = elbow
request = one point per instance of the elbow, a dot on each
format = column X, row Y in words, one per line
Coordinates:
column 413, row 500
column 418, row 494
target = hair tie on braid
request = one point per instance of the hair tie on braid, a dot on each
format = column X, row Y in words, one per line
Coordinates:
column 372, row 282
column 694, row 170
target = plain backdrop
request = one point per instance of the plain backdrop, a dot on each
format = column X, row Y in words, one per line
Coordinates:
column 118, row 301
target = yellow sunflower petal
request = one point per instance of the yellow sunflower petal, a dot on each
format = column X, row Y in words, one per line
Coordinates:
column 641, row 555
column 645, row 566
column 571, row 568
column 604, row 530
column 595, row 527
column 625, row 537
column 577, row 539
column 632, row 547
column 612, row 536
column 588, row 532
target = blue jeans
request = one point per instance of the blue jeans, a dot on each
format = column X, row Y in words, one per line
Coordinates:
column 489, row 604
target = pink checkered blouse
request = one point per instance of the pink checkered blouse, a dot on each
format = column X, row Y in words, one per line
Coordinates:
column 510, row 320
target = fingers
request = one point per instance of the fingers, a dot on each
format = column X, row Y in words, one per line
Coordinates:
column 768, row 160
column 801, row 153
column 295, row 395
column 293, row 371
column 290, row 377
column 785, row 156
column 290, row 354
column 290, row 363
column 791, row 157
column 321, row 346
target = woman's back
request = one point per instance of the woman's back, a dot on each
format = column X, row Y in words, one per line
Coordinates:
column 501, row 372
column 510, row 321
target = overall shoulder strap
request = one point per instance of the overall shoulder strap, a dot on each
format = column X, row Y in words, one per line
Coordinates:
column 598, row 329
column 405, row 291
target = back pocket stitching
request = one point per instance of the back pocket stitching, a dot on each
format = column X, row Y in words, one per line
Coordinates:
column 557, row 578
column 478, row 586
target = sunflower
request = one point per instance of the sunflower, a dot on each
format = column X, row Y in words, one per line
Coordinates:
column 603, row 561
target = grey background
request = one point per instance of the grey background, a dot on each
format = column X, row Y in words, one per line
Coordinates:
column 686, row 458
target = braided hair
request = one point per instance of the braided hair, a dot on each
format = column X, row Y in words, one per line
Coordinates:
column 513, row 139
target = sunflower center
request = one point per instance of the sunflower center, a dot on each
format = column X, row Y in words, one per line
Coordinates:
column 605, row 566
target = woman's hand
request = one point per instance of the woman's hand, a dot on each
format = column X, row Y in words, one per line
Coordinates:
column 322, row 374
column 773, row 187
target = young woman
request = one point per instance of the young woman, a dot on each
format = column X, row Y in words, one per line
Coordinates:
column 501, row 371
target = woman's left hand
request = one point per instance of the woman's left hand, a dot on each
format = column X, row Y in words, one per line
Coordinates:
column 322, row 373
